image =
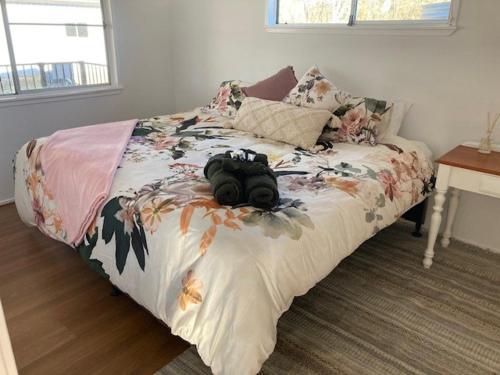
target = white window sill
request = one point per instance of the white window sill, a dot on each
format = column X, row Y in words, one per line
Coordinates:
column 372, row 29
column 58, row 95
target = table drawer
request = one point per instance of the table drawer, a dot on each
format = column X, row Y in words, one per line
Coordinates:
column 490, row 185
column 475, row 182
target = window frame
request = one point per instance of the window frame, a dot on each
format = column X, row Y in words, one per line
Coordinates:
column 355, row 27
column 55, row 93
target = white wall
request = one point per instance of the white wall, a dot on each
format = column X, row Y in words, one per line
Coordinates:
column 453, row 81
column 143, row 53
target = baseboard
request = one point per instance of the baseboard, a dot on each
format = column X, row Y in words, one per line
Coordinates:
column 6, row 202
column 477, row 245
column 466, row 241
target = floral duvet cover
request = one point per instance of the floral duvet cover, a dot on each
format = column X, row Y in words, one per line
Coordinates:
column 221, row 277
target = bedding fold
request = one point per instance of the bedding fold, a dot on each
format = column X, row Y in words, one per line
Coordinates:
column 79, row 165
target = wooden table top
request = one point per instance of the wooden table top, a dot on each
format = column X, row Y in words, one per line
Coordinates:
column 469, row 158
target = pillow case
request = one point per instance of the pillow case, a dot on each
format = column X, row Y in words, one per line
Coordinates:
column 358, row 120
column 282, row 122
column 313, row 91
column 275, row 87
column 399, row 111
column 228, row 99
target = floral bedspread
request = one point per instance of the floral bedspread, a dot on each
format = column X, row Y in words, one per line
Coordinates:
column 221, row 277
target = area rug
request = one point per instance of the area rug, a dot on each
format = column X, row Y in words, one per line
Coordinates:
column 381, row 312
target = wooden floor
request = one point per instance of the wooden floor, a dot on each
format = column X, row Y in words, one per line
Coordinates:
column 61, row 317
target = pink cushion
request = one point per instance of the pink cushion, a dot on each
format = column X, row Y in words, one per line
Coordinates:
column 275, row 87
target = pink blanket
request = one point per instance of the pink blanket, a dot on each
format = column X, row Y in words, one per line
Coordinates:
column 79, row 165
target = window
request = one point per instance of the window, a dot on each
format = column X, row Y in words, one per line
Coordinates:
column 6, row 78
column 53, row 44
column 315, row 12
column 81, row 31
column 397, row 14
column 71, row 30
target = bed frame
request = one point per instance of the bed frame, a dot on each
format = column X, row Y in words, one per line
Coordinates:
column 417, row 216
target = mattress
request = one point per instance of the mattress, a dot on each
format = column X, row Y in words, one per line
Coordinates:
column 221, row 277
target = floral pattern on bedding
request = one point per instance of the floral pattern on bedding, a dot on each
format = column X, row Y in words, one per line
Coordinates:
column 129, row 220
column 228, row 99
column 358, row 120
column 42, row 200
column 163, row 239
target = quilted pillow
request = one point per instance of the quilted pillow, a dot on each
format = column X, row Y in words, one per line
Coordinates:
column 281, row 122
column 313, row 91
column 358, row 120
column 228, row 99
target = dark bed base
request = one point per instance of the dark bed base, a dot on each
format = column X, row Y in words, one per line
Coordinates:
column 115, row 292
column 417, row 216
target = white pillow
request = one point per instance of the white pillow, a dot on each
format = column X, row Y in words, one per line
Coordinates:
column 399, row 111
column 282, row 122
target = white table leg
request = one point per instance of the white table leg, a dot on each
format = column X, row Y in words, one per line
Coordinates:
column 452, row 211
column 439, row 199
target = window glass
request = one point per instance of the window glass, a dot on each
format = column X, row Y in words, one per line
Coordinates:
column 403, row 10
column 339, row 11
column 52, row 47
column 55, row 11
column 70, row 30
column 6, row 79
column 83, row 31
column 314, row 11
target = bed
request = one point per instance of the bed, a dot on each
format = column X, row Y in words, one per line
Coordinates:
column 221, row 277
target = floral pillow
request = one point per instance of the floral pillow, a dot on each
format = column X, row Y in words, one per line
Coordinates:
column 313, row 91
column 358, row 120
column 228, row 99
